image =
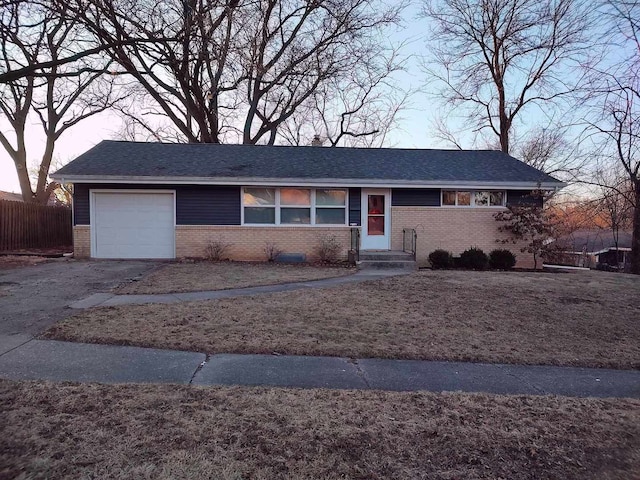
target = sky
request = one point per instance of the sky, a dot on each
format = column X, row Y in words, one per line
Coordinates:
column 414, row 130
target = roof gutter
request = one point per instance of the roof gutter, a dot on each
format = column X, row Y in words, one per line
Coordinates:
column 302, row 182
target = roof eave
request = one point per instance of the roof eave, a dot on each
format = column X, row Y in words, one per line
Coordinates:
column 326, row 182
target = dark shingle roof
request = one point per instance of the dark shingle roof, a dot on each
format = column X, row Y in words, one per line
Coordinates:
column 133, row 159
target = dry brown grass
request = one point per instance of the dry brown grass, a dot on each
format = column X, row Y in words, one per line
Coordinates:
column 203, row 276
column 177, row 432
column 587, row 319
column 16, row 261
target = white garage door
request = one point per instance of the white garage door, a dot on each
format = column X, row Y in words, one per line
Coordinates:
column 133, row 225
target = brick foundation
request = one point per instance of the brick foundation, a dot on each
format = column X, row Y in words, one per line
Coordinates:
column 248, row 243
column 82, row 241
column 452, row 229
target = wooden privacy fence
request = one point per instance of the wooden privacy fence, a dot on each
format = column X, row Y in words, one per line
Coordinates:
column 26, row 225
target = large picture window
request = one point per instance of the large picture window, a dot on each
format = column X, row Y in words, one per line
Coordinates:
column 294, row 206
column 473, row 198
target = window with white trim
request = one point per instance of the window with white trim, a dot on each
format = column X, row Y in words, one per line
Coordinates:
column 331, row 206
column 294, row 206
column 259, row 205
column 473, row 198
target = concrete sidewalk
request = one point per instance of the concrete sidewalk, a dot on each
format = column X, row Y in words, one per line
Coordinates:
column 25, row 359
column 111, row 300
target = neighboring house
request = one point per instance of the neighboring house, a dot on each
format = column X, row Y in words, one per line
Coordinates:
column 10, row 196
column 17, row 197
column 154, row 200
column 597, row 248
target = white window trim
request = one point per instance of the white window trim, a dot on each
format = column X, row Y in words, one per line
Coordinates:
column 472, row 192
column 313, row 206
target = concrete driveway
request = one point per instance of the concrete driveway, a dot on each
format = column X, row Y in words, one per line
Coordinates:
column 34, row 297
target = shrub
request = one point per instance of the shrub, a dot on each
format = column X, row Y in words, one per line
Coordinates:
column 501, row 259
column 440, row 259
column 215, row 250
column 328, row 249
column 272, row 251
column 474, row 259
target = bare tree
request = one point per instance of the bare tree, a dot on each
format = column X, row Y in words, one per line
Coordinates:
column 177, row 51
column 83, row 47
column 615, row 206
column 499, row 59
column 221, row 70
column 548, row 149
column 615, row 92
column 61, row 97
column 621, row 132
column 357, row 111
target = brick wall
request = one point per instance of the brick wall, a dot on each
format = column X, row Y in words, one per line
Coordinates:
column 453, row 229
column 82, row 241
column 248, row 243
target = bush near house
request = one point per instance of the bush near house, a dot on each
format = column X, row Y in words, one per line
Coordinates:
column 474, row 259
column 440, row 259
column 328, row 250
column 215, row 250
column 272, row 251
column 501, row 259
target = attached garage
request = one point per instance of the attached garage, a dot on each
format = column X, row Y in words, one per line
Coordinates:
column 127, row 224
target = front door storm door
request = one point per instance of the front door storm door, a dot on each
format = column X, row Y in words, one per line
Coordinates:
column 376, row 222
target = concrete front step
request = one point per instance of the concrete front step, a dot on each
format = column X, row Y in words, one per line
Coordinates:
column 386, row 260
column 382, row 256
column 387, row 265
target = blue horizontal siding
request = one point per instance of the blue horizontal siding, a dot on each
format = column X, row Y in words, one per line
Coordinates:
column 208, row 205
column 81, row 204
column 195, row 204
column 522, row 197
column 415, row 197
column 355, row 206
column 220, row 205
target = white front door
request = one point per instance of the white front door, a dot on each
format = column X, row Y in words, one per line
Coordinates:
column 376, row 219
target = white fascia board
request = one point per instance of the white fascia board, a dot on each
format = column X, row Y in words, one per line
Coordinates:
column 299, row 182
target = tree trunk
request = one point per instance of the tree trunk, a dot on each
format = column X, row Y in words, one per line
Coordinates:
column 20, row 162
column 635, row 237
column 505, row 126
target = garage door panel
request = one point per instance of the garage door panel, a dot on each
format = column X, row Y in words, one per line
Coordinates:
column 134, row 225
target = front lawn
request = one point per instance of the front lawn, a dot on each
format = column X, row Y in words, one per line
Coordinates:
column 587, row 319
column 178, row 432
column 203, row 276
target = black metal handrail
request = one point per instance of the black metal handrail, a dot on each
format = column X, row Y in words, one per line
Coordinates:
column 409, row 241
